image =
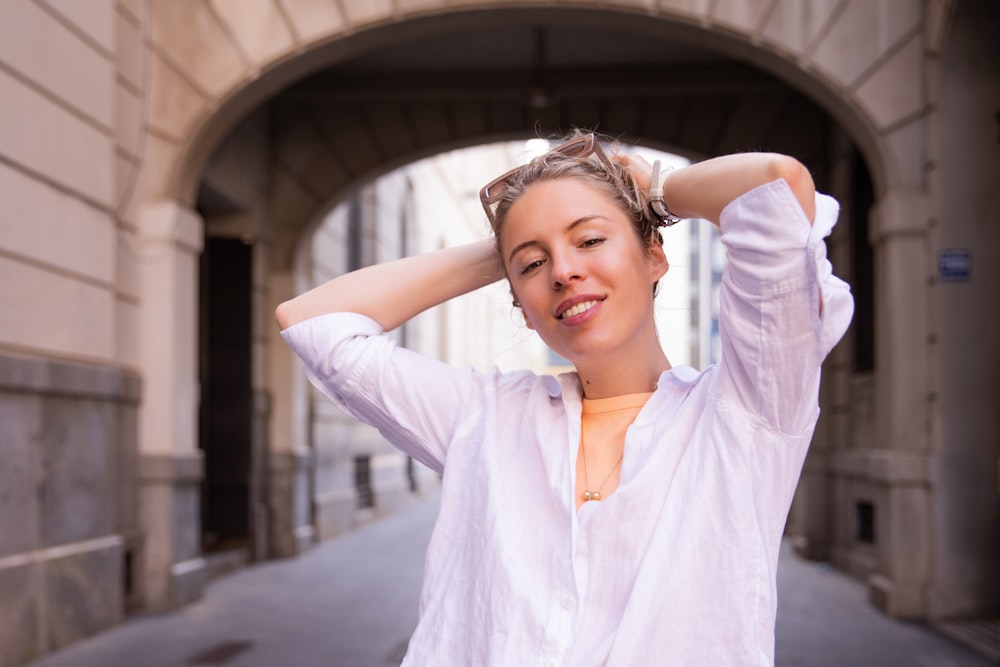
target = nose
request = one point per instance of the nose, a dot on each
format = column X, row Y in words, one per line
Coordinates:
column 565, row 269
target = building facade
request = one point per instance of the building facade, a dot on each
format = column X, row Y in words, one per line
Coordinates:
column 165, row 166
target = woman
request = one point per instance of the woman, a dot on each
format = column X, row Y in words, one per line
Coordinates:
column 629, row 513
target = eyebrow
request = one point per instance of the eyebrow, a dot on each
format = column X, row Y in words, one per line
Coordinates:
column 527, row 244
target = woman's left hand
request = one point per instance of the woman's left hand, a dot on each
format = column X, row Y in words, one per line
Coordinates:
column 639, row 168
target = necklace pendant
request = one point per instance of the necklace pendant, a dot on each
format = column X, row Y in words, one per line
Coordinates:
column 591, row 495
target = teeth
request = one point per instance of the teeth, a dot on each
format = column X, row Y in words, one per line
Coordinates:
column 573, row 311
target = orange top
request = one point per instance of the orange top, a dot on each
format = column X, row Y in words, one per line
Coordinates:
column 603, row 423
column 605, row 420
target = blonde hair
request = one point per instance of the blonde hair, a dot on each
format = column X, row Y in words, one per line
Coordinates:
column 611, row 178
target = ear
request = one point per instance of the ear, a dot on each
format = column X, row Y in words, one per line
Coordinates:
column 658, row 263
column 517, row 304
column 527, row 322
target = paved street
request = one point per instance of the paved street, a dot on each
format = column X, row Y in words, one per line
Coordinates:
column 352, row 602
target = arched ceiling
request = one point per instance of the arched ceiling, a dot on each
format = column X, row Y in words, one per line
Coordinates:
column 469, row 78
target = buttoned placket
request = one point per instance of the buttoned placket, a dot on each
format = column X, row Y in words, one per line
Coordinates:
column 563, row 613
column 568, row 596
column 572, row 576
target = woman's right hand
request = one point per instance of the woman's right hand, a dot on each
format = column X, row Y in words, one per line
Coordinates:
column 703, row 189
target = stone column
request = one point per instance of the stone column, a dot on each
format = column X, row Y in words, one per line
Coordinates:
column 897, row 466
column 290, row 461
column 170, row 462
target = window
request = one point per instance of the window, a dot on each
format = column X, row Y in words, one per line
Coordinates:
column 865, row 522
column 363, row 481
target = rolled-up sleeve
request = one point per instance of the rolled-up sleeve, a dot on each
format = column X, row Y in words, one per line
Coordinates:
column 415, row 402
column 781, row 308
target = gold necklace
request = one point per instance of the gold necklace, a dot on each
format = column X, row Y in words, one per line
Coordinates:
column 587, row 493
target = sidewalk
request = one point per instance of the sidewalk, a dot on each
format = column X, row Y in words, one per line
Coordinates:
column 825, row 620
column 349, row 602
column 352, row 602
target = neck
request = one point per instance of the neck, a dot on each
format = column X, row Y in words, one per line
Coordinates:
column 623, row 374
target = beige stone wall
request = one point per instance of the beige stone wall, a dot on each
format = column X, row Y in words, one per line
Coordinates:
column 59, row 179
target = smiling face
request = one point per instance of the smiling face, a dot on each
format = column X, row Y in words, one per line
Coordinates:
column 576, row 265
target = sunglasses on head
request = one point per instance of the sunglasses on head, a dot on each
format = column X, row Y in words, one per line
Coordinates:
column 581, row 147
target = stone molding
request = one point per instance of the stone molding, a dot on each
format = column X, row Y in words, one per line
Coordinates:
column 63, row 551
column 817, row 462
column 66, row 378
column 188, row 579
column 169, row 221
column 899, row 213
column 305, row 537
column 289, row 462
column 903, row 600
column 334, row 512
column 289, row 530
column 335, row 497
column 174, row 468
column 883, row 466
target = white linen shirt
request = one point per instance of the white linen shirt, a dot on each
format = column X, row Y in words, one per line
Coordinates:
column 678, row 565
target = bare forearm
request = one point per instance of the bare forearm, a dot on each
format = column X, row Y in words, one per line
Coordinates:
column 703, row 189
column 393, row 292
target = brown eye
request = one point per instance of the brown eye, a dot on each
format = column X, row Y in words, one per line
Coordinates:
column 531, row 266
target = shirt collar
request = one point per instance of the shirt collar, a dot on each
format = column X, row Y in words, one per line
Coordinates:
column 569, row 383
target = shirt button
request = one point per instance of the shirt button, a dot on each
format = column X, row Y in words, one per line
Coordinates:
column 567, row 602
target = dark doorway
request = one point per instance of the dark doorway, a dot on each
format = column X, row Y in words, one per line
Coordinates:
column 862, row 268
column 226, row 399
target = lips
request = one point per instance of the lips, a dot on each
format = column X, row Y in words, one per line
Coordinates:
column 574, row 307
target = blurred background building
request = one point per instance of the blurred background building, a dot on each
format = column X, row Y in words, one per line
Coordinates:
column 170, row 170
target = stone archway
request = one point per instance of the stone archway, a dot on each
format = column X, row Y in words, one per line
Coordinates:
column 213, row 63
column 227, row 61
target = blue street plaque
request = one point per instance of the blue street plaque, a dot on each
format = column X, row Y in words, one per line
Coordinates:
column 954, row 265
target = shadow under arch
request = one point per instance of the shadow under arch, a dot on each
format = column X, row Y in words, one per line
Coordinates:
column 763, row 66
